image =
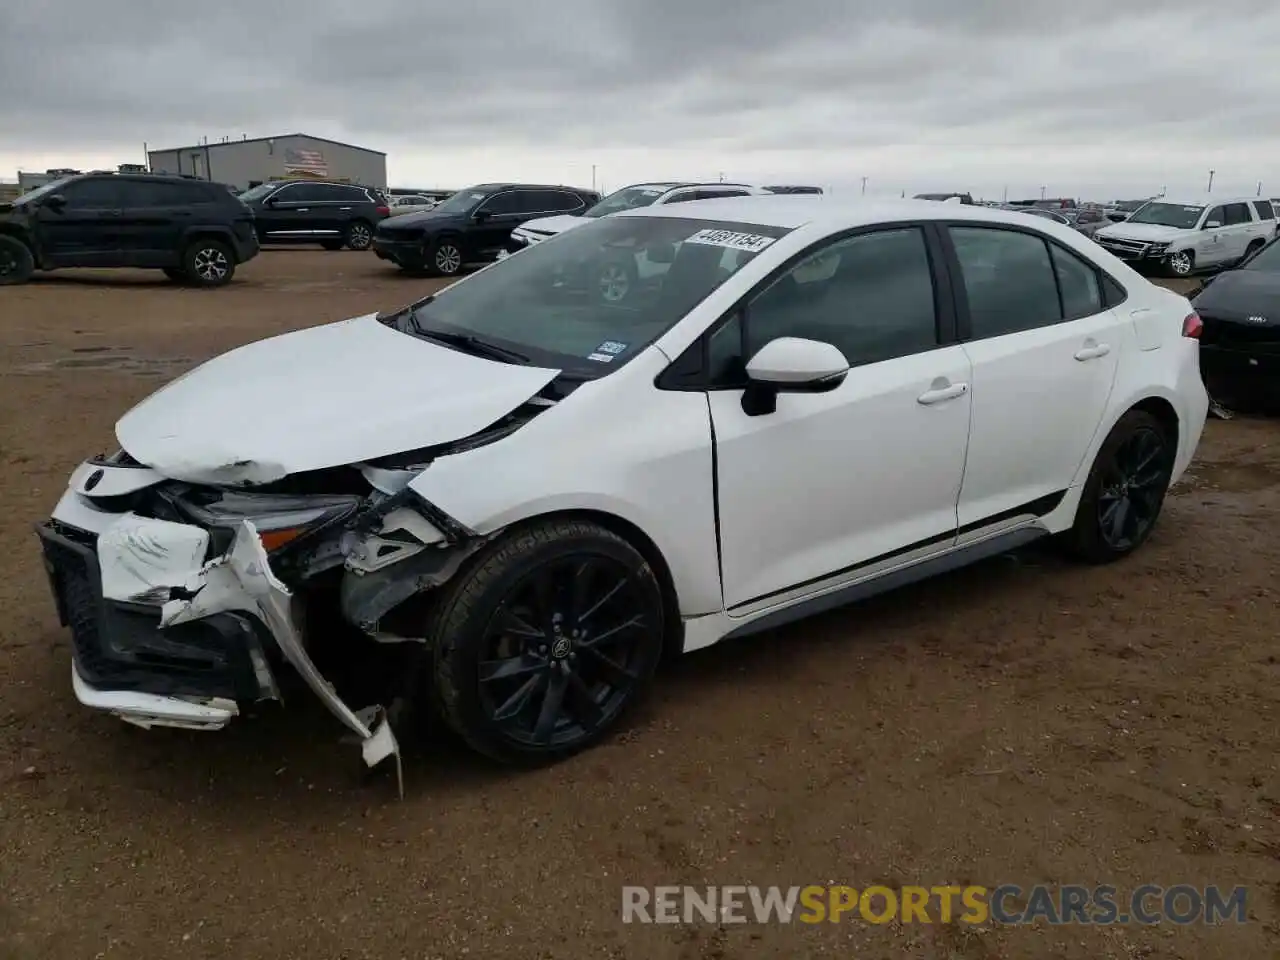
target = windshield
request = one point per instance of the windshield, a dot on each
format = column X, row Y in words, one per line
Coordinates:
column 258, row 192
column 1167, row 215
column 628, row 198
column 592, row 298
column 464, row 201
column 38, row 192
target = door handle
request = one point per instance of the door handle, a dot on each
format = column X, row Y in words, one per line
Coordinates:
column 1093, row 352
column 940, row 394
column 344, row 208
column 302, row 210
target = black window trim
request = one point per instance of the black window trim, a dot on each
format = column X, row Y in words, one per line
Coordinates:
column 964, row 325
column 690, row 372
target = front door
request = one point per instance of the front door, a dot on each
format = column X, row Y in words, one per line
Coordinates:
column 832, row 482
column 292, row 215
column 492, row 223
column 84, row 231
column 1043, row 368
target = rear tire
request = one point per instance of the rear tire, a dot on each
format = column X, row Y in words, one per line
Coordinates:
column 1254, row 247
column 358, row 236
column 546, row 642
column 208, row 263
column 1124, row 492
column 16, row 262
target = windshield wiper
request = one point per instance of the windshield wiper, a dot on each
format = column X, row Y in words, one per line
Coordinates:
column 470, row 343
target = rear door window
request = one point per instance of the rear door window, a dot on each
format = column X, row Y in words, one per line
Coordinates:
column 1264, row 209
column 1236, row 214
column 1008, row 278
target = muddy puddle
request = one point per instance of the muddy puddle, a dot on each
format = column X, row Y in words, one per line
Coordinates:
column 109, row 359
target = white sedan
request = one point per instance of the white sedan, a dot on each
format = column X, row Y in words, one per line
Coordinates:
column 531, row 489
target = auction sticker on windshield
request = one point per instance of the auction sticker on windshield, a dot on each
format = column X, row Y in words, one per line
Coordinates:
column 753, row 243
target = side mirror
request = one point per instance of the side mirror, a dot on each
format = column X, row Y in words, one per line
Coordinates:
column 55, row 201
column 660, row 253
column 1212, row 224
column 1117, row 217
column 480, row 216
column 791, row 365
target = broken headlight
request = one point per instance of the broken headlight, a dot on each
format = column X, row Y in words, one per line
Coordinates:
column 279, row 519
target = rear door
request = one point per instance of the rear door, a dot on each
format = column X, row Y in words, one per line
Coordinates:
column 294, row 213
column 1266, row 218
column 1045, row 350
column 1239, row 228
column 84, row 231
column 154, row 218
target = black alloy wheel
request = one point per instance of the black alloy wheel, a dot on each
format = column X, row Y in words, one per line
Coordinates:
column 16, row 262
column 547, row 642
column 1125, row 490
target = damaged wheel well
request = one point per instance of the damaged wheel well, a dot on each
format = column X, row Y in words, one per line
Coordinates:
column 673, row 629
column 1163, row 411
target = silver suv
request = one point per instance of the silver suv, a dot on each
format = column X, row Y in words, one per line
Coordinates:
column 1181, row 238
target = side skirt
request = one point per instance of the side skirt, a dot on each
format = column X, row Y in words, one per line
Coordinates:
column 891, row 580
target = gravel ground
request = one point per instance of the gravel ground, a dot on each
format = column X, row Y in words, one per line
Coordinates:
column 1022, row 721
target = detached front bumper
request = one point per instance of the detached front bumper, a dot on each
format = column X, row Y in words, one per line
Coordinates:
column 163, row 637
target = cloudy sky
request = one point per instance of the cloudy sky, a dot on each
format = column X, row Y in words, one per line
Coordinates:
column 1094, row 98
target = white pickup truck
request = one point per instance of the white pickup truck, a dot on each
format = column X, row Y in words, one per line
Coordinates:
column 1181, row 238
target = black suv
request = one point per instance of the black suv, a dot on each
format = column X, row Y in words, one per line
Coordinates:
column 473, row 225
column 334, row 215
column 193, row 230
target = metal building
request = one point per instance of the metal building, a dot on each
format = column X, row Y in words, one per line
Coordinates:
column 246, row 163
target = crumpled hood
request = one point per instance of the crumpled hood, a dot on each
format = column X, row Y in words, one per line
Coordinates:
column 553, row 225
column 1142, row 232
column 321, row 397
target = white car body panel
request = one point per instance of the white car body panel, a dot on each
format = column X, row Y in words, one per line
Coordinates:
column 906, row 465
column 905, row 494
column 220, row 422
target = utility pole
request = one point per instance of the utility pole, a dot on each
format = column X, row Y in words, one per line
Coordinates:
column 1042, row 190
column 1004, row 197
column 1259, row 188
column 593, row 176
column 864, row 186
column 722, row 176
column 1209, row 189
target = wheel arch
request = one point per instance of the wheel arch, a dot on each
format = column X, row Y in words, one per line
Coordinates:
column 673, row 627
column 24, row 236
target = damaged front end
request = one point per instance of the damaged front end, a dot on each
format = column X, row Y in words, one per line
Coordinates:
column 185, row 601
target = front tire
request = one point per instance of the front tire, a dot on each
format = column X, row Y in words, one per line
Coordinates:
column 209, row 263
column 16, row 263
column 1181, row 264
column 547, row 642
column 1125, row 490
column 445, row 258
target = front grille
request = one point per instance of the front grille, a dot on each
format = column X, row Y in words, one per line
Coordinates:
column 1122, row 247
column 398, row 233
column 74, row 575
column 120, row 646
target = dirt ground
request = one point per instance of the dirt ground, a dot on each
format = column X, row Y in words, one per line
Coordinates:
column 1023, row 721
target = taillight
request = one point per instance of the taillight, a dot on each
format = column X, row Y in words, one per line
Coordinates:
column 1193, row 326
column 384, row 211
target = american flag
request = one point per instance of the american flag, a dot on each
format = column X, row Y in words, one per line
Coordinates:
column 310, row 161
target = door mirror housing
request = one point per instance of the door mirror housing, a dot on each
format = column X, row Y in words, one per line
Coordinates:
column 55, row 201
column 480, row 216
column 791, row 365
column 1212, row 224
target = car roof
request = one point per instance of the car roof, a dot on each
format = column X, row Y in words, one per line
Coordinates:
column 490, row 187
column 790, row 211
column 1209, row 201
